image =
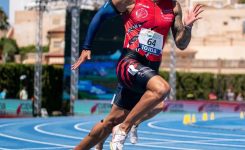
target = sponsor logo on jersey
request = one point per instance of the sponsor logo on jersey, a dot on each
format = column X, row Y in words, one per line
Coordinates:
column 136, row 26
column 150, row 50
column 167, row 17
column 132, row 70
column 167, row 11
column 132, row 40
column 141, row 13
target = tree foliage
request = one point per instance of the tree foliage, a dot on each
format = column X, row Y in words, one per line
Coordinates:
column 3, row 20
column 31, row 49
column 241, row 1
column 8, row 48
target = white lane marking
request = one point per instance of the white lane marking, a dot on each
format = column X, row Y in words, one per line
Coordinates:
column 37, row 128
column 186, row 141
column 41, row 148
column 152, row 133
column 179, row 135
column 34, row 141
column 4, row 148
column 151, row 124
column 165, row 147
column 219, row 128
column 144, row 145
column 7, row 124
column 76, row 126
column 28, row 140
column 198, row 142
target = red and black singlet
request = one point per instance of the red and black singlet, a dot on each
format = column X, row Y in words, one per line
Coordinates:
column 147, row 27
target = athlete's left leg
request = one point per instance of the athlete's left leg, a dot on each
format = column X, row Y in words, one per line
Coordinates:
column 156, row 110
column 133, row 132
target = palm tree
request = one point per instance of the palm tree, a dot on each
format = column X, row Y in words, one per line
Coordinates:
column 8, row 49
column 3, row 20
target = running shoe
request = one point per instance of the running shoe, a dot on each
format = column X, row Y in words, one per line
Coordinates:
column 118, row 138
column 133, row 135
column 95, row 148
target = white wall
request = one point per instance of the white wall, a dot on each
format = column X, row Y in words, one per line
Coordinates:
column 16, row 5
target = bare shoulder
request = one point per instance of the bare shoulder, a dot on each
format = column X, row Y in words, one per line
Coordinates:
column 177, row 7
column 123, row 5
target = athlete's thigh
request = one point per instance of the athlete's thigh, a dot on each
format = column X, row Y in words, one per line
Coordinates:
column 157, row 82
column 126, row 98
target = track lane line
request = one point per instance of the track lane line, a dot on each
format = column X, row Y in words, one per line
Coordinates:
column 29, row 140
column 151, row 124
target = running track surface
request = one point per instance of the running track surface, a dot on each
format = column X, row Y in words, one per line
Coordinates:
column 165, row 131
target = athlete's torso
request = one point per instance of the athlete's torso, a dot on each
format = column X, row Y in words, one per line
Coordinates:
column 147, row 27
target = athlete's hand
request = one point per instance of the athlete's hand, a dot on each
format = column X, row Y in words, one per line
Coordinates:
column 85, row 55
column 193, row 15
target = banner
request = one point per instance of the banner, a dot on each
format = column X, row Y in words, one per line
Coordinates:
column 97, row 77
column 86, row 107
column 15, row 108
column 204, row 106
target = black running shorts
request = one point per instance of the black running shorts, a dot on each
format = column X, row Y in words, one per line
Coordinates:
column 133, row 73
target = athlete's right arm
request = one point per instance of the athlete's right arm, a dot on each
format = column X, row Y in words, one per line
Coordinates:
column 108, row 10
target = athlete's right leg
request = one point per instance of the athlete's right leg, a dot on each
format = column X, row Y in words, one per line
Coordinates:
column 133, row 135
column 99, row 146
column 102, row 129
column 157, row 89
column 133, row 131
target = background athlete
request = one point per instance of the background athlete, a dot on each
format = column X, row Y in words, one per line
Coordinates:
column 147, row 24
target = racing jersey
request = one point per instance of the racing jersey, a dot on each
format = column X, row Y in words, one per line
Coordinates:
column 147, row 27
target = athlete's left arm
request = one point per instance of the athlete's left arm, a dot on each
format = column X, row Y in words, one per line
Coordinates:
column 182, row 29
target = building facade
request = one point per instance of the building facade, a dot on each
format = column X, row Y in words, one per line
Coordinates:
column 219, row 35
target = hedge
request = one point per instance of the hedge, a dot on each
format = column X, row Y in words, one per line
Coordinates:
column 51, row 83
column 199, row 84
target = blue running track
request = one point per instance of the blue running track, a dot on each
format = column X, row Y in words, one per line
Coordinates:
column 166, row 131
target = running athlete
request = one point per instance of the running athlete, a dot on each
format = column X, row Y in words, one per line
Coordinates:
column 147, row 23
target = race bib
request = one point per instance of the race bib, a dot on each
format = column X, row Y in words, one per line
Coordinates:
column 151, row 41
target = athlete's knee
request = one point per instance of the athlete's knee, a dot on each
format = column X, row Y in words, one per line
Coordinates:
column 161, row 90
column 113, row 121
column 160, row 106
